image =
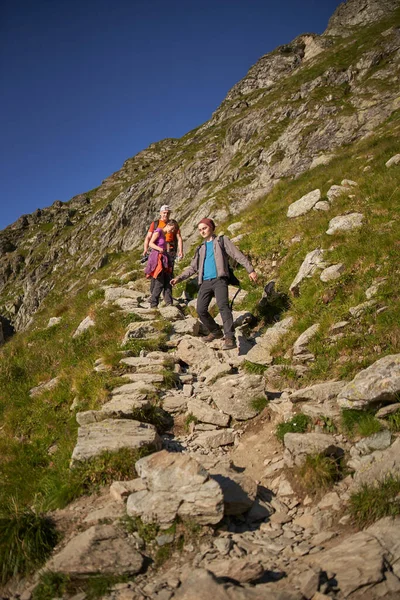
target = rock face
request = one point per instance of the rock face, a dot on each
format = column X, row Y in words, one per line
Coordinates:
column 250, row 139
column 176, row 485
column 350, row 14
column 378, row 383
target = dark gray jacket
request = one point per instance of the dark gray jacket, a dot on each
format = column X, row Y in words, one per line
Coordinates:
column 221, row 260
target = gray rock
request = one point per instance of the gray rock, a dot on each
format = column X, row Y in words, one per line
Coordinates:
column 54, row 321
column 319, row 393
column 335, row 191
column 44, row 387
column 102, row 549
column 378, row 383
column 242, row 570
column 83, row 326
column 304, row 205
column 360, row 309
column 375, row 467
column 299, row 445
column 356, row 562
column 112, row 435
column 188, row 325
column 197, row 354
column 114, row 293
column 261, row 353
column 333, row 272
column 176, row 485
column 215, row 439
column 170, row 313
column 377, row 441
column 234, row 394
column 300, row 345
column 206, row 414
column 312, row 262
column 385, row 411
column 138, row 331
column 345, row 223
column 239, row 490
column 394, row 160
column 322, row 205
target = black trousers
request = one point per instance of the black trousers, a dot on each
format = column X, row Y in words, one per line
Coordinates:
column 161, row 284
column 217, row 288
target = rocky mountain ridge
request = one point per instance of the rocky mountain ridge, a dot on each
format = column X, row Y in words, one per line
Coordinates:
column 295, row 108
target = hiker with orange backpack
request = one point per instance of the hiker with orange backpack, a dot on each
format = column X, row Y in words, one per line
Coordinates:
column 211, row 263
column 174, row 242
column 159, row 265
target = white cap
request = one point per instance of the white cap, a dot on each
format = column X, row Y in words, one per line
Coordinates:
column 165, row 207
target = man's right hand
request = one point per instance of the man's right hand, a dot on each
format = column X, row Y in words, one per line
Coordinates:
column 174, row 281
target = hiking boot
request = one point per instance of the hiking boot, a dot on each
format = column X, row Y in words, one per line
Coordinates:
column 229, row 344
column 213, row 335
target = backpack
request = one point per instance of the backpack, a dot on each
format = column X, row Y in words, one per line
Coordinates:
column 174, row 241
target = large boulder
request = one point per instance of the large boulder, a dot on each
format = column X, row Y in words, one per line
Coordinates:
column 378, row 383
column 313, row 261
column 261, row 353
column 197, row 354
column 176, row 485
column 234, row 394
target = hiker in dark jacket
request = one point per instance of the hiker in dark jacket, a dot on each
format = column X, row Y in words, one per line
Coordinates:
column 211, row 263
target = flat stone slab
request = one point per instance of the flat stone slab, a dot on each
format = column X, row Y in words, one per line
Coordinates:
column 215, row 439
column 101, row 549
column 114, row 293
column 378, row 383
column 319, row 393
column 304, row 205
column 206, row 414
column 112, row 435
column 356, row 562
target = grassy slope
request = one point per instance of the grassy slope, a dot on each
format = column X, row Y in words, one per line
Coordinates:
column 31, row 427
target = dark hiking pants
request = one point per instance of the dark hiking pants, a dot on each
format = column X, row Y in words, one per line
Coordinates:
column 217, row 288
column 161, row 284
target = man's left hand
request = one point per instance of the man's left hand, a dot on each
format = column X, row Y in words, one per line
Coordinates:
column 253, row 276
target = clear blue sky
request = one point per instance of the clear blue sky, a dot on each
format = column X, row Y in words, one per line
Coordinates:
column 85, row 84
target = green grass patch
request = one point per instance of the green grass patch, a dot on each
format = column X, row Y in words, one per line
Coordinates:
column 298, row 424
column 190, row 419
column 319, row 473
column 359, row 422
column 373, row 502
column 26, row 541
column 259, row 403
column 254, row 368
column 394, row 421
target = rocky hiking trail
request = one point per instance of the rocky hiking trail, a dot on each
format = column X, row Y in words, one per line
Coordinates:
column 253, row 534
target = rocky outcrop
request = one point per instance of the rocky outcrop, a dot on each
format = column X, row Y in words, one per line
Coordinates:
column 354, row 13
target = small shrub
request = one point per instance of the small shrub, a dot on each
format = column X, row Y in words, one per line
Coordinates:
column 171, row 379
column 259, row 403
column 359, row 422
column 155, row 416
column 326, row 423
column 299, row 424
column 147, row 531
column 319, row 472
column 190, row 419
column 26, row 540
column 254, row 368
column 394, row 421
column 372, row 502
column 51, row 585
